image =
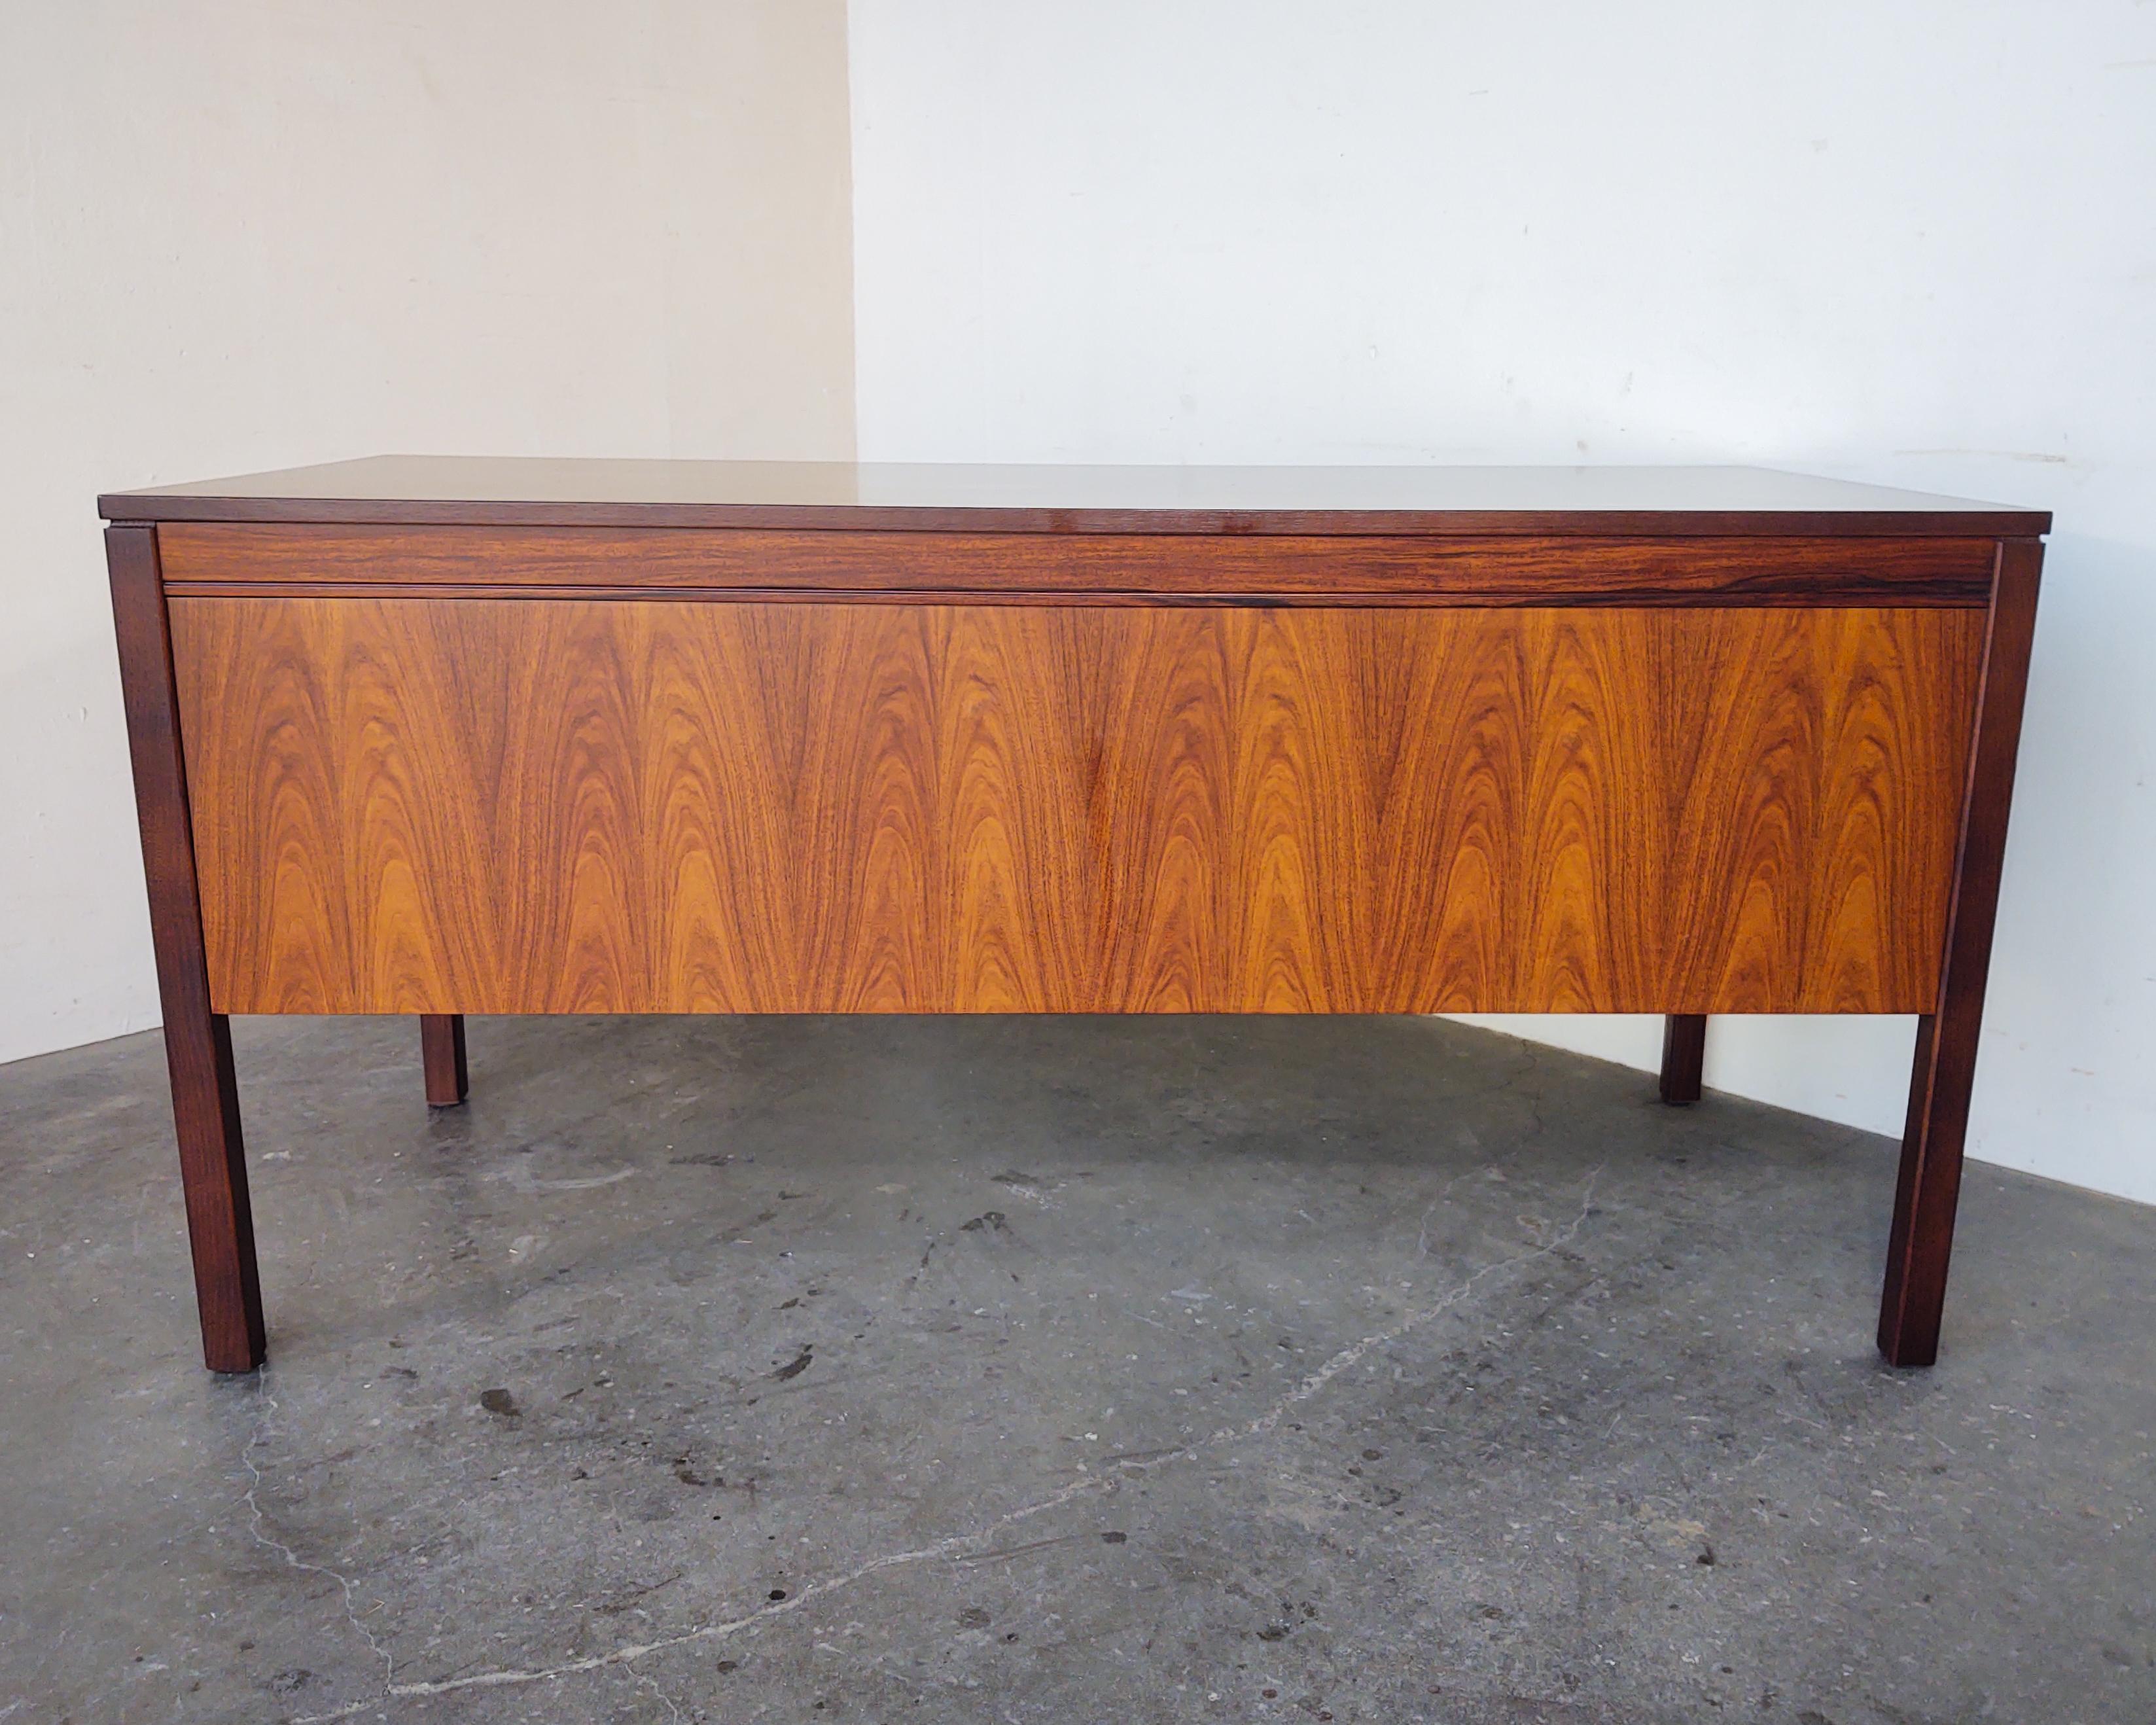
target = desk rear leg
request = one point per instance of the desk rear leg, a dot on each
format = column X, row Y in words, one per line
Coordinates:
column 442, row 1050
column 1684, row 1054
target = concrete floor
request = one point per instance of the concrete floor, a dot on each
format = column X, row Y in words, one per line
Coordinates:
column 1051, row 1370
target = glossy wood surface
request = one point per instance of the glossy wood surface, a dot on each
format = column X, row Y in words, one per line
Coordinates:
column 419, row 806
column 1662, row 502
column 198, row 1039
column 228, row 559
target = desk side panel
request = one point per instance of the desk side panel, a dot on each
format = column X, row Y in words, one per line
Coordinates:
column 445, row 805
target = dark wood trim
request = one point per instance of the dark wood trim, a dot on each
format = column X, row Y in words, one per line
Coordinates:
column 197, row 1041
column 1222, row 600
column 1684, row 1055
column 204, row 561
column 1945, row 1068
column 442, row 1054
column 1912, row 600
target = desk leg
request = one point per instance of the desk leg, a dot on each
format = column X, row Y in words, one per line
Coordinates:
column 1945, row 1072
column 197, row 1041
column 442, row 1050
column 1684, row 1053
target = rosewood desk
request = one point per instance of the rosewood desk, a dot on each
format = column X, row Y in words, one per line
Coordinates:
column 439, row 736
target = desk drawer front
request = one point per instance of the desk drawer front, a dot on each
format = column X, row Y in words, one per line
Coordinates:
column 414, row 804
column 207, row 558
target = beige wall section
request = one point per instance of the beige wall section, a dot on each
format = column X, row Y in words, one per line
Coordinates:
column 235, row 236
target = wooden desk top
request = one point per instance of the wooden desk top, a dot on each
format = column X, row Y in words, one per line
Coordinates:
column 1479, row 502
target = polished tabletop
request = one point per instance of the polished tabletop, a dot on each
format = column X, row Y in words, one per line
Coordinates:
column 1049, row 498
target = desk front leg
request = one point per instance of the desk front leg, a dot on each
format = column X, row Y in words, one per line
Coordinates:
column 1930, row 1184
column 197, row 1041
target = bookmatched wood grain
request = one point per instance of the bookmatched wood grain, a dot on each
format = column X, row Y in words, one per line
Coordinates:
column 198, row 1039
column 409, row 805
column 208, row 559
column 1929, row 1187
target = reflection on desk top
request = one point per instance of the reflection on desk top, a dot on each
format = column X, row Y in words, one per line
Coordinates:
column 891, row 496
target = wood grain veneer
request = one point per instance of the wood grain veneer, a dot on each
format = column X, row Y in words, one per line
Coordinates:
column 405, row 805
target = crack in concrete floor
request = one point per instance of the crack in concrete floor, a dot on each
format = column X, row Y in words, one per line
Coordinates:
column 952, row 1547
column 255, row 1526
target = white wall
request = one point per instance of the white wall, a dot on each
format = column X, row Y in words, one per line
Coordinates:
column 1914, row 243
column 237, row 236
